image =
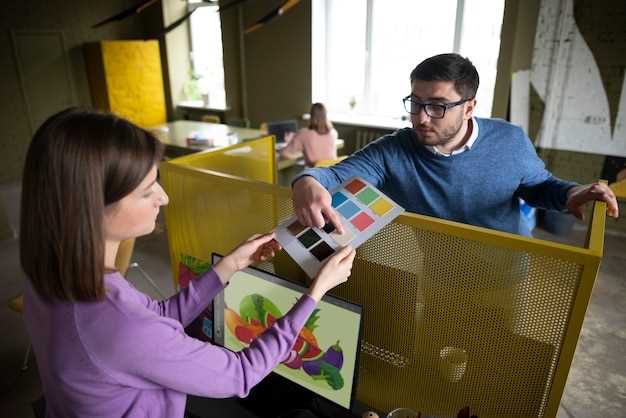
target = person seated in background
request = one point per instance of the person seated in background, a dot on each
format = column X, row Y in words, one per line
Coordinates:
column 316, row 142
column 103, row 348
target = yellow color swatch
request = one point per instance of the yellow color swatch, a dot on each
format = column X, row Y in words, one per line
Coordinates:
column 381, row 206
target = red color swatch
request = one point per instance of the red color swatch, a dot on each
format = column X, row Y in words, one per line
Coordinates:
column 354, row 186
column 362, row 221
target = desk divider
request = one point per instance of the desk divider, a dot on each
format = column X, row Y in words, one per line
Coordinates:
column 454, row 315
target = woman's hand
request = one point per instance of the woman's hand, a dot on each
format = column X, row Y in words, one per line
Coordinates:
column 254, row 249
column 335, row 271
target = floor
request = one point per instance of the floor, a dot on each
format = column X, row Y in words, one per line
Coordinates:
column 596, row 387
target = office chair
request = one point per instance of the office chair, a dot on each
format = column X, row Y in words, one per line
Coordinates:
column 9, row 213
column 39, row 407
column 619, row 188
column 241, row 123
column 16, row 304
column 123, row 264
column 211, row 119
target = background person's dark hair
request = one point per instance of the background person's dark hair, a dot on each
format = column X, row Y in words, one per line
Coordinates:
column 78, row 162
column 319, row 119
column 449, row 67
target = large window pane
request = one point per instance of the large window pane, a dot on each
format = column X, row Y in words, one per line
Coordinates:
column 343, row 53
column 405, row 32
column 362, row 58
column 481, row 44
column 206, row 55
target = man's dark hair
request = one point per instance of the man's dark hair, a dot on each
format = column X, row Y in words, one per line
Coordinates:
column 449, row 67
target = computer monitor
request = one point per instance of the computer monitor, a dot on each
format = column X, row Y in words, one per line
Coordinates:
column 324, row 358
column 280, row 128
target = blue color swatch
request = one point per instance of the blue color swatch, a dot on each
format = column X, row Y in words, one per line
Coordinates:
column 348, row 209
column 338, row 199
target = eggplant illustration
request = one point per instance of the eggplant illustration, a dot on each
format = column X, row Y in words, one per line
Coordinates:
column 334, row 355
column 293, row 360
column 327, row 367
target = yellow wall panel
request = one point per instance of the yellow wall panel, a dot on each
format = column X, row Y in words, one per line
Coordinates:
column 130, row 73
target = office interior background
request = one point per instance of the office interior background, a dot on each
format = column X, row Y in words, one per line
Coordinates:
column 556, row 67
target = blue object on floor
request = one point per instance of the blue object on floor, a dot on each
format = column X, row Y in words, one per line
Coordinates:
column 528, row 214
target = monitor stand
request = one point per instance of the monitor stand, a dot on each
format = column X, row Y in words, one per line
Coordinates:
column 274, row 397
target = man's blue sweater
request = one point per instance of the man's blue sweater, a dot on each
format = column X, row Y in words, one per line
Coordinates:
column 479, row 186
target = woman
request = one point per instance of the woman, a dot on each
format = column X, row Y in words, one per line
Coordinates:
column 103, row 348
column 317, row 142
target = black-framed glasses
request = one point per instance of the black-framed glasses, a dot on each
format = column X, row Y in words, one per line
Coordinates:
column 433, row 110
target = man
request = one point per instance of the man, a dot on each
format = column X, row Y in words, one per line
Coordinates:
column 450, row 165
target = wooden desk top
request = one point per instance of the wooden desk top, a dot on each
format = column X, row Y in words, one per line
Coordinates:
column 174, row 135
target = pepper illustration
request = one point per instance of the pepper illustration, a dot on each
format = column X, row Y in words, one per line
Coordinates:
column 189, row 268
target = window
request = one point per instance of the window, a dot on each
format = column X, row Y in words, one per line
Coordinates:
column 207, row 62
column 364, row 51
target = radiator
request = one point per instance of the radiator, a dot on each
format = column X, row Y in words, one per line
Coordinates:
column 365, row 136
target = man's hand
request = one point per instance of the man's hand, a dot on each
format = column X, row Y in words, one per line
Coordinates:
column 313, row 204
column 579, row 195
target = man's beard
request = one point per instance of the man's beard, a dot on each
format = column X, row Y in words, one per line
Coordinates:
column 438, row 138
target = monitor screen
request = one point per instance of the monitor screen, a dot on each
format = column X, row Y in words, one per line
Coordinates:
column 280, row 128
column 324, row 357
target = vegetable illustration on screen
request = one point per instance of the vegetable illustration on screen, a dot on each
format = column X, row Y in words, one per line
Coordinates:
column 190, row 268
column 257, row 313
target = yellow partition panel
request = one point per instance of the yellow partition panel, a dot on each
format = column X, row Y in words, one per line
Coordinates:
column 197, row 208
column 253, row 160
column 619, row 188
column 454, row 315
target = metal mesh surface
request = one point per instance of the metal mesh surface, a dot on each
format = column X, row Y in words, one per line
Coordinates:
column 452, row 322
column 453, row 315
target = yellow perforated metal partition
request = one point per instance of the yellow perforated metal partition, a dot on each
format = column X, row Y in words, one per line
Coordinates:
column 199, row 220
column 454, row 315
column 253, row 159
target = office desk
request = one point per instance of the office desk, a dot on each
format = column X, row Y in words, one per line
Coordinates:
column 174, row 136
column 272, row 397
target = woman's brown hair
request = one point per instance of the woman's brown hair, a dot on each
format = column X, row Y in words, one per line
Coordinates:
column 78, row 163
column 319, row 121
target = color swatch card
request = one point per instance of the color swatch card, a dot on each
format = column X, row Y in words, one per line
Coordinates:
column 363, row 210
